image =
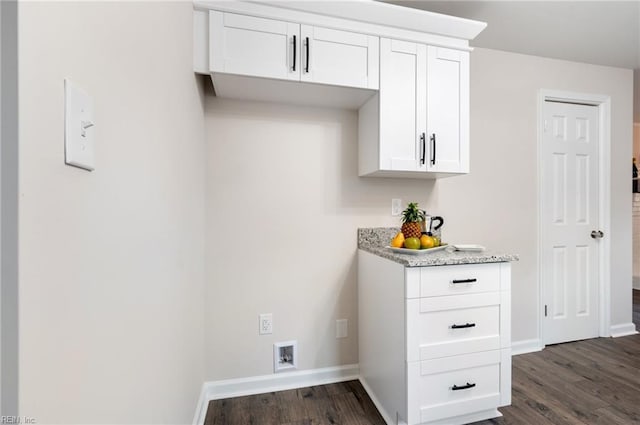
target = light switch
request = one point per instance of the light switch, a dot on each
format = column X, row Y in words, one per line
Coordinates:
column 79, row 127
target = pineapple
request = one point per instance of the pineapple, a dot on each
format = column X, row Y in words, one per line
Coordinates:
column 411, row 219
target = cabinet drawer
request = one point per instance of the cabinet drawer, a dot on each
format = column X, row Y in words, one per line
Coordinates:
column 449, row 326
column 455, row 386
column 452, row 280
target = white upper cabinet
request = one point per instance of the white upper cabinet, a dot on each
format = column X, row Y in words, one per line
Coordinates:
column 448, row 110
column 418, row 124
column 402, row 104
column 258, row 47
column 270, row 48
column 405, row 70
column 339, row 58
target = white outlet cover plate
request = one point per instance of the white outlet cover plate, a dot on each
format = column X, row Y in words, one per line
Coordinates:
column 78, row 113
column 265, row 324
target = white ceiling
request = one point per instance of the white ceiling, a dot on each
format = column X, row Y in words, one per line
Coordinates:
column 598, row 32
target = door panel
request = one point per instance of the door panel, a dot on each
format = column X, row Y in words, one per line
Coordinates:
column 448, row 110
column 570, row 201
column 258, row 47
column 402, row 97
column 337, row 57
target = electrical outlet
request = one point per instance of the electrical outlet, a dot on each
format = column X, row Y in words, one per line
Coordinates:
column 266, row 324
column 396, row 207
column 342, row 328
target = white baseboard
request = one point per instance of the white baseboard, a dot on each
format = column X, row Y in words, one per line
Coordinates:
column 201, row 407
column 217, row 390
column 625, row 329
column 636, row 281
column 526, row 346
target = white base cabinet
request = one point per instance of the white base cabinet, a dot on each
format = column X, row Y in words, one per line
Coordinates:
column 434, row 342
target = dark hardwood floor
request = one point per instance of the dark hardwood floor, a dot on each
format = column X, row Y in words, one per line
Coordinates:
column 591, row 382
column 344, row 403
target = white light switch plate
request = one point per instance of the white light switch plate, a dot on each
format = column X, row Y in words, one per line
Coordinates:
column 78, row 127
column 396, row 207
column 342, row 330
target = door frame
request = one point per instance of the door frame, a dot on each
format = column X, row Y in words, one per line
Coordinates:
column 603, row 103
column 9, row 195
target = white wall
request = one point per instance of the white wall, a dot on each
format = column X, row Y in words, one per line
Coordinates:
column 636, row 95
column 283, row 205
column 111, row 262
column 497, row 205
column 284, row 202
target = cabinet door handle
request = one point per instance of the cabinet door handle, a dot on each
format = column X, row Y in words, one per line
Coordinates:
column 466, row 325
column 306, row 68
column 433, row 149
column 454, row 281
column 462, row 387
column 295, row 49
column 423, row 141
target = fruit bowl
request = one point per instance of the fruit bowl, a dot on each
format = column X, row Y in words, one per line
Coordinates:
column 417, row 251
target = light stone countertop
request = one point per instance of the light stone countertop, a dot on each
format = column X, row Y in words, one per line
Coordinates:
column 375, row 240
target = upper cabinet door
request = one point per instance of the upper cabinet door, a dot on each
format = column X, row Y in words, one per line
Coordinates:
column 259, row 47
column 339, row 58
column 448, row 110
column 402, row 105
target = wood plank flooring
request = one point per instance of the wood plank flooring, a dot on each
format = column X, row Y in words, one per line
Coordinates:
column 591, row 382
column 345, row 403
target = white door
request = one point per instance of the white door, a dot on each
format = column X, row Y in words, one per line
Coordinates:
column 339, row 58
column 569, row 214
column 402, row 105
column 258, row 47
column 448, row 110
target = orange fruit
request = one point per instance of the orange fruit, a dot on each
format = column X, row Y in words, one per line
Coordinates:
column 427, row 242
column 398, row 240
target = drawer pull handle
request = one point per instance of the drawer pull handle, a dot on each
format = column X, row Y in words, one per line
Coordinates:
column 463, row 387
column 466, row 325
column 454, row 281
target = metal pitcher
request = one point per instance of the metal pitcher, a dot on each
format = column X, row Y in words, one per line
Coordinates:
column 432, row 225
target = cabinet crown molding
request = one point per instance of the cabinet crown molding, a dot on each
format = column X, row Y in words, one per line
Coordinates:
column 367, row 16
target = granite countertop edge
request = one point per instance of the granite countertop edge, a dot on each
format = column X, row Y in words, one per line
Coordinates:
column 375, row 240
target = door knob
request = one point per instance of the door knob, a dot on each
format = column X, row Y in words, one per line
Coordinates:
column 597, row 234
